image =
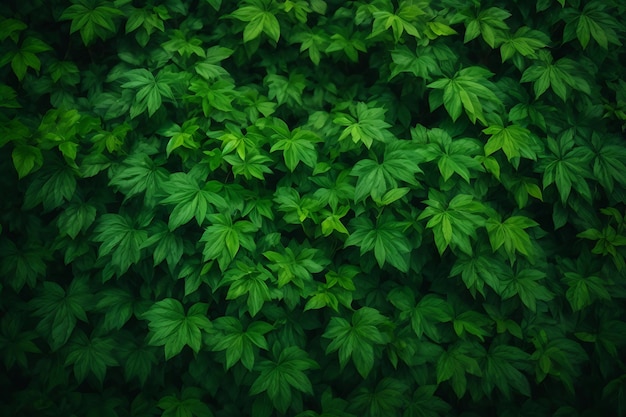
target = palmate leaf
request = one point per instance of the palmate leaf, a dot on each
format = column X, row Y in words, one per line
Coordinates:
column 403, row 20
column 224, row 238
column 295, row 264
column 189, row 404
column 456, row 362
column 192, row 198
column 279, row 377
column 595, row 20
column 424, row 403
column 584, row 290
column 260, row 15
column 514, row 140
column 502, row 368
column 21, row 266
column 120, row 239
column 453, row 156
column 400, row 163
column 171, row 327
column 420, row 63
column 387, row 239
column 525, row 41
column 468, row 89
column 365, row 123
column 524, row 284
column 511, row 234
column 609, row 162
column 490, row 24
column 453, row 222
column 92, row 18
column 167, row 245
column 384, row 400
column 239, row 344
column 150, row 90
column 75, row 218
column 248, row 280
column 357, row 339
column 567, row 166
column 60, row 309
column 562, row 76
column 424, row 315
column 15, row 341
column 139, row 173
column 297, row 145
column 25, row 57
column 90, row 354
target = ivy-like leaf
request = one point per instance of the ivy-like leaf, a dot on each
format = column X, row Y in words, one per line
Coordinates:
column 453, row 222
column 172, row 328
column 386, row 239
column 121, row 239
column 90, row 354
column 224, row 238
column 278, row 377
column 297, row 145
column 59, row 309
column 92, row 18
column 357, row 339
column 192, row 199
column 562, row 76
column 375, row 179
column 468, row 89
column 240, row 344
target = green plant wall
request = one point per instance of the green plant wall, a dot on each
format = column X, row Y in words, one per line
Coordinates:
column 312, row 208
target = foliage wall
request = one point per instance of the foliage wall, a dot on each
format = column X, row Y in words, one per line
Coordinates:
column 312, row 208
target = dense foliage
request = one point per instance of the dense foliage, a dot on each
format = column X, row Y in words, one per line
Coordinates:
column 313, row 208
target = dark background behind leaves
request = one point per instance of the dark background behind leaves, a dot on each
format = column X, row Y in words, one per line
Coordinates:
column 308, row 207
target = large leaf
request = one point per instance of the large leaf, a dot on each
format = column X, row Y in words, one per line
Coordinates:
column 171, row 327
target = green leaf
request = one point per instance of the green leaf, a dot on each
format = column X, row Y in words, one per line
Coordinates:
column 76, row 218
column 239, row 344
column 150, row 90
column 583, row 291
column 472, row 322
column 468, row 89
column 524, row 284
column 511, row 234
column 453, row 222
column 567, row 166
column 60, row 309
column 295, row 264
column 92, row 18
column 515, row 141
column 26, row 159
column 376, row 179
column 454, row 364
column 525, row 41
column 120, row 239
column 502, row 368
column 259, row 21
column 357, row 339
column 297, row 146
column 251, row 281
column 189, row 404
column 365, row 123
column 278, row 377
column 386, row 239
column 562, row 76
column 172, row 328
column 224, row 238
column 490, row 24
column 192, row 199
column 90, row 354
